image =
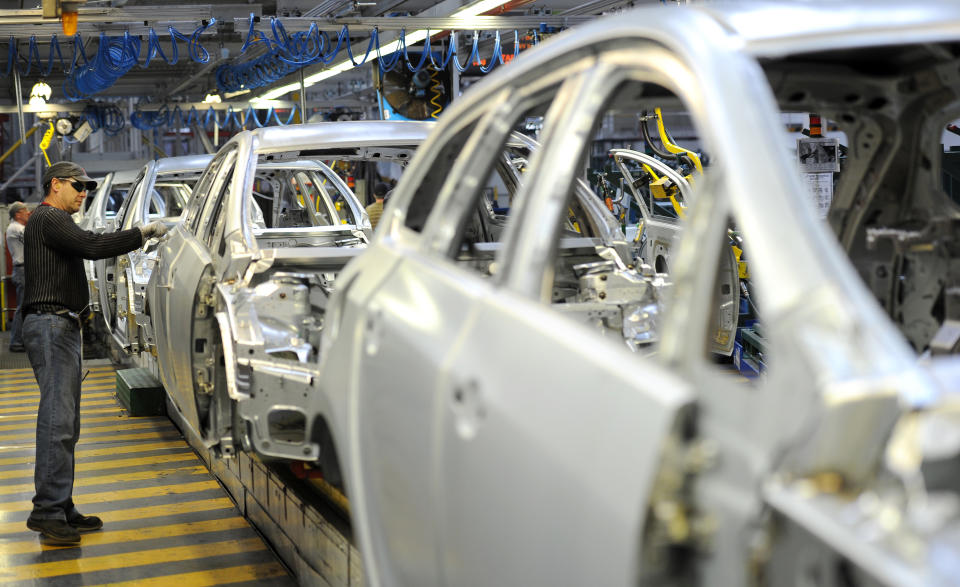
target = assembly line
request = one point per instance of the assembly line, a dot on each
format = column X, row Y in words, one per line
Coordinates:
column 671, row 297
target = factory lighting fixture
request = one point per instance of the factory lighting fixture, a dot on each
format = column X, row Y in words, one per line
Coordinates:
column 212, row 99
column 40, row 93
column 409, row 39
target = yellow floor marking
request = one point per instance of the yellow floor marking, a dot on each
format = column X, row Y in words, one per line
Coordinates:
column 153, row 511
column 131, row 559
column 95, row 430
column 83, row 421
column 114, row 477
column 31, row 386
column 96, row 452
column 28, row 401
column 18, row 417
column 86, row 439
column 96, row 402
column 210, row 577
column 121, row 536
column 20, row 372
column 164, row 434
column 119, row 495
column 113, row 464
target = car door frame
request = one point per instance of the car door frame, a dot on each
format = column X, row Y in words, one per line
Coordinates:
column 174, row 283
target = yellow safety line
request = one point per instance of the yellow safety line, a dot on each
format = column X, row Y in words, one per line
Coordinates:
column 33, row 388
column 210, row 577
column 84, row 422
column 99, row 402
column 164, row 434
column 112, row 478
column 97, row 452
column 113, row 464
column 98, row 430
column 152, row 511
column 33, row 416
column 121, row 536
column 26, row 400
column 120, row 495
column 28, row 371
column 132, row 559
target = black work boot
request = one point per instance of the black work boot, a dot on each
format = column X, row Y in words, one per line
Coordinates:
column 55, row 531
column 85, row 523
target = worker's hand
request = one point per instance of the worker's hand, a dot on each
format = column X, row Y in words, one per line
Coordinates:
column 153, row 230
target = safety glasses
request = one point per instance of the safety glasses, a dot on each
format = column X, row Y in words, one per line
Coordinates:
column 77, row 185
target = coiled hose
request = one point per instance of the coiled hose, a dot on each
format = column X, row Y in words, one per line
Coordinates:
column 286, row 53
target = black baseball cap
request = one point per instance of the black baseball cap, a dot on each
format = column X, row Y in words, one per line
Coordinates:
column 68, row 169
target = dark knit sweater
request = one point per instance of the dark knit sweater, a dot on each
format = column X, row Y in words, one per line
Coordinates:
column 54, row 249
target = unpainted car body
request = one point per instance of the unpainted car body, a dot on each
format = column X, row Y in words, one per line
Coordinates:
column 487, row 439
column 159, row 193
column 238, row 294
column 100, row 216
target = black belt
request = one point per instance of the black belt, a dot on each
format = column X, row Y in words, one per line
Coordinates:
column 64, row 313
column 18, row 264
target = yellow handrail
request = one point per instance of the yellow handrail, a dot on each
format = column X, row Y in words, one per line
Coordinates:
column 16, row 144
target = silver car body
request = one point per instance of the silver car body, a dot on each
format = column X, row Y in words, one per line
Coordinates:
column 159, row 193
column 485, row 439
column 238, row 298
column 100, row 216
column 655, row 234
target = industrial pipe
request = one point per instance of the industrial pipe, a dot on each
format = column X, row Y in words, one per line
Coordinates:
column 17, row 144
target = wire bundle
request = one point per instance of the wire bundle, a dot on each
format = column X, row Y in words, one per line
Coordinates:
column 287, row 53
column 151, row 120
column 108, row 117
column 115, row 57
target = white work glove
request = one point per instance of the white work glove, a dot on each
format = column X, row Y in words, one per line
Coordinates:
column 153, row 230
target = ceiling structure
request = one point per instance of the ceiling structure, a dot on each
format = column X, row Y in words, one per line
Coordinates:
column 221, row 28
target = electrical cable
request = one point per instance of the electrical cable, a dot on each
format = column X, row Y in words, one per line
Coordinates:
column 437, row 88
column 286, row 53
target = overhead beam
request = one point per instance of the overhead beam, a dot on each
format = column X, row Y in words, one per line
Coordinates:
column 259, row 105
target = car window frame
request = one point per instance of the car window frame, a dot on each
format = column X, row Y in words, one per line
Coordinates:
column 480, row 155
column 220, row 181
column 193, row 211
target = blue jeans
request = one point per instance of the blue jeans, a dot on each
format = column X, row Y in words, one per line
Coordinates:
column 16, row 336
column 53, row 347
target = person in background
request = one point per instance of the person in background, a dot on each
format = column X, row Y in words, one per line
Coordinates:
column 375, row 210
column 55, row 297
column 19, row 213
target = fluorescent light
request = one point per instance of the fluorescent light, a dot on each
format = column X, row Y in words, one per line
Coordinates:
column 478, row 8
column 408, row 39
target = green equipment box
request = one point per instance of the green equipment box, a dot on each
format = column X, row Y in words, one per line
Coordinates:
column 140, row 392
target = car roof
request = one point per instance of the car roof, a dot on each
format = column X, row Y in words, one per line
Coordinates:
column 774, row 29
column 331, row 135
column 185, row 163
column 126, row 176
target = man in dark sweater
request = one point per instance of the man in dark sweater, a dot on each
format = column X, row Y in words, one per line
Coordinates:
column 56, row 295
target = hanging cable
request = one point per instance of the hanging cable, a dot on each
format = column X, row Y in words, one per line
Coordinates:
column 437, row 88
column 286, row 53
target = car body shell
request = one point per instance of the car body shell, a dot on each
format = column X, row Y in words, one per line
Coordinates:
column 473, row 423
column 159, row 193
column 100, row 216
column 229, row 286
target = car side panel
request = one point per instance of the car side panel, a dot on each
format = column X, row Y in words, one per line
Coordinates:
column 549, row 446
column 399, row 336
column 181, row 264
